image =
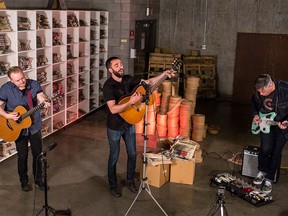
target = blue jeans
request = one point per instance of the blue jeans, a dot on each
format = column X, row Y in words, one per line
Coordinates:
column 114, row 137
column 270, row 153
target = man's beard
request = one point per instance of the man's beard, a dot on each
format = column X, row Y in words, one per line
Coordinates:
column 117, row 74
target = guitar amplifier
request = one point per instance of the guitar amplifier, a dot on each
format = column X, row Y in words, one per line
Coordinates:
column 250, row 163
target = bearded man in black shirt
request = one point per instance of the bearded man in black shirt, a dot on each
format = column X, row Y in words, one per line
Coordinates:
column 116, row 86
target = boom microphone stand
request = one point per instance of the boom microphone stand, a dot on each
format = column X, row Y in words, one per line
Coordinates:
column 144, row 182
column 46, row 207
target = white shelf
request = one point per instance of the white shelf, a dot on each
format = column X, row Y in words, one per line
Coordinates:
column 79, row 77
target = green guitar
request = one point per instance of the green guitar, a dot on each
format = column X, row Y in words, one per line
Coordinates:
column 266, row 121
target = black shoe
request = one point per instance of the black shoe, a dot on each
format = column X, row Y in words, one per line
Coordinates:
column 132, row 187
column 115, row 192
column 26, row 187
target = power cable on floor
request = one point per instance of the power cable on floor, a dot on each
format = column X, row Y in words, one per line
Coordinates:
column 218, row 155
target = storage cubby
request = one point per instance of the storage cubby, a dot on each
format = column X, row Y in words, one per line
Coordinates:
column 72, row 83
column 44, row 75
column 44, row 38
column 59, row 121
column 65, row 51
column 59, row 19
column 72, row 35
column 26, row 20
column 44, row 57
column 72, row 114
column 59, row 54
column 71, row 98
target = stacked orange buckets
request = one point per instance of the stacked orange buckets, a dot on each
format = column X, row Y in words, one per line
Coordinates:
column 162, row 124
column 198, row 127
column 173, row 116
column 166, row 93
column 192, row 84
column 185, row 118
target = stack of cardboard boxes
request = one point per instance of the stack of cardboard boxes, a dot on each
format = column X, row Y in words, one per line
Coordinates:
column 178, row 171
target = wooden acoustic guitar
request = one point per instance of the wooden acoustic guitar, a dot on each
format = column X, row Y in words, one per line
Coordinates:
column 135, row 113
column 10, row 129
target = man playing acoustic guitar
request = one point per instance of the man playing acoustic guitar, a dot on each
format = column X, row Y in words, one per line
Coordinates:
column 20, row 91
column 117, row 86
column 270, row 98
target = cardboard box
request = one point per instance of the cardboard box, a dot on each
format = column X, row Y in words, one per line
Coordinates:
column 157, row 175
column 182, row 171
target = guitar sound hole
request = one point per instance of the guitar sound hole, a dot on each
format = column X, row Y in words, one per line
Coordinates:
column 19, row 121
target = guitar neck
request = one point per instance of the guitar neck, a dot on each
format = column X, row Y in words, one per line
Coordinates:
column 38, row 107
column 272, row 122
column 275, row 123
column 33, row 110
column 175, row 66
column 158, row 82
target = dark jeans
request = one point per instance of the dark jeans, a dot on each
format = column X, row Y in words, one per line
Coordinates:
column 269, row 159
column 22, row 151
column 129, row 137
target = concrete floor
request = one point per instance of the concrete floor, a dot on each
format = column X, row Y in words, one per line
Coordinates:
column 77, row 173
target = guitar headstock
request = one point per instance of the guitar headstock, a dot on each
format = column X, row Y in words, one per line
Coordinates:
column 176, row 64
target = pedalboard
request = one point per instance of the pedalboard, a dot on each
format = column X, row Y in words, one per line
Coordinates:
column 242, row 189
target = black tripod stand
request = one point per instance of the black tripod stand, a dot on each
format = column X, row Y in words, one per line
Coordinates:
column 144, row 182
column 219, row 207
column 46, row 207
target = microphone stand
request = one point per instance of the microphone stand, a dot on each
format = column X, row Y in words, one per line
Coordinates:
column 219, row 205
column 144, row 182
column 46, row 207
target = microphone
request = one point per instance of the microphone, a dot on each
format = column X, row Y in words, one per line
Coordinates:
column 50, row 147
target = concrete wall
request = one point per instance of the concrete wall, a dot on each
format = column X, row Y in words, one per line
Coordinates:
column 182, row 25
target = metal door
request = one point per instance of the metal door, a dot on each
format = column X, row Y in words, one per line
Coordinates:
column 145, row 42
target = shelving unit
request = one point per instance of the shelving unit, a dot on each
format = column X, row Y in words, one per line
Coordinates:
column 203, row 67
column 65, row 51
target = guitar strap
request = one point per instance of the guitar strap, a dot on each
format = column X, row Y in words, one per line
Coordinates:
column 29, row 97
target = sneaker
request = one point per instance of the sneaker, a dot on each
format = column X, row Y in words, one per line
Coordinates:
column 258, row 180
column 115, row 192
column 267, row 187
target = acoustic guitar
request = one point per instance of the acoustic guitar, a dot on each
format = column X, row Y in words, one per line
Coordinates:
column 10, row 129
column 135, row 113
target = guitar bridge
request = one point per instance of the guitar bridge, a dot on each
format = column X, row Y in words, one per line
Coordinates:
column 9, row 125
column 135, row 107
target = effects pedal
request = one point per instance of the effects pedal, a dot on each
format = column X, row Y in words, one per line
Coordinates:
column 242, row 189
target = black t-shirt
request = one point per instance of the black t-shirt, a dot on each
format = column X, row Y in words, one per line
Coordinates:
column 268, row 105
column 113, row 90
